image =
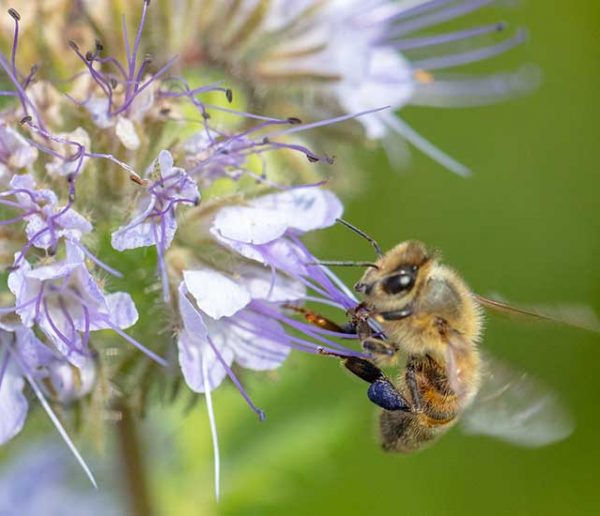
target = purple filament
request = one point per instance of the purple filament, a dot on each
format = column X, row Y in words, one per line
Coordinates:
column 236, row 382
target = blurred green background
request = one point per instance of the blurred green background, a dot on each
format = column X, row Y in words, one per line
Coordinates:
column 524, row 226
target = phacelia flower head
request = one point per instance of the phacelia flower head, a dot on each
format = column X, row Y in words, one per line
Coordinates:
column 349, row 55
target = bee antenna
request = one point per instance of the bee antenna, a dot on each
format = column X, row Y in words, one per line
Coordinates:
column 344, row 263
column 361, row 233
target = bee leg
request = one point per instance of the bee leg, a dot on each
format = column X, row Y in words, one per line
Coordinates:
column 322, row 322
column 384, row 394
column 382, row 391
column 411, row 383
column 362, row 368
column 395, row 315
column 379, row 347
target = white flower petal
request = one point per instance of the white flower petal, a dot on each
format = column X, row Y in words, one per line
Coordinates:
column 250, row 225
column 304, row 209
column 121, row 309
column 247, row 250
column 99, row 109
column 215, row 294
column 125, row 131
column 263, row 284
column 165, row 161
column 194, row 347
column 13, row 404
column 190, row 359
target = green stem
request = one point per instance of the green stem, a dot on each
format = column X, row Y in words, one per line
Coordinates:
column 132, row 464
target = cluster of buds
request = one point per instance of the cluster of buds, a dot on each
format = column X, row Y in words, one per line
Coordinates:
column 127, row 155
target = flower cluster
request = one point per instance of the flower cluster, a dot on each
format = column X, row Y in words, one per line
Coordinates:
column 126, row 154
column 70, row 183
column 344, row 56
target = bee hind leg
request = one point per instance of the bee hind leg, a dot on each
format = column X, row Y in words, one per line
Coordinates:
column 382, row 391
column 411, row 382
column 384, row 394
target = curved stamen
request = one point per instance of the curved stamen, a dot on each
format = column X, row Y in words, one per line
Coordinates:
column 236, row 382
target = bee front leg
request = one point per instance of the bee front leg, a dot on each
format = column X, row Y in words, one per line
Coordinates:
column 380, row 346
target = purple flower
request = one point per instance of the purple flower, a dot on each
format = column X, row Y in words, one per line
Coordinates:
column 224, row 322
column 66, row 303
column 268, row 227
column 356, row 55
column 47, row 222
column 120, row 94
column 124, row 126
column 23, row 355
column 269, row 217
column 154, row 222
column 246, row 316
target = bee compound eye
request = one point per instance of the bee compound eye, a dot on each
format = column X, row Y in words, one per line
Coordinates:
column 401, row 281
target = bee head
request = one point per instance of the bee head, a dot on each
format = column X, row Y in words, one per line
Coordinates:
column 396, row 272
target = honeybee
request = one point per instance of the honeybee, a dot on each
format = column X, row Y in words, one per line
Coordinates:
column 418, row 308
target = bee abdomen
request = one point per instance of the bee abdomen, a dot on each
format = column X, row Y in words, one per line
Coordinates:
column 406, row 432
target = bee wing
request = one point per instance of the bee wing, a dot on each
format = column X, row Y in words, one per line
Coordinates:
column 514, row 407
column 579, row 316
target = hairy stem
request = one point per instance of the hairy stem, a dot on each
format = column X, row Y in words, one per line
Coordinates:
column 131, row 457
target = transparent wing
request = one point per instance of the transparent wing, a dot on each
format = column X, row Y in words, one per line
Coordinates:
column 579, row 316
column 516, row 408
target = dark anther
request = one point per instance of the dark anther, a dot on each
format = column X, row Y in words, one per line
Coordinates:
column 136, row 179
column 99, row 46
column 148, row 58
column 206, row 116
column 70, row 178
column 25, row 120
column 331, row 160
column 34, row 69
column 89, row 56
column 165, row 111
column 197, row 201
column 113, row 83
column 229, row 95
column 312, row 158
column 73, row 45
column 294, row 120
column 266, row 141
column 14, row 13
column 500, row 26
column 147, row 2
